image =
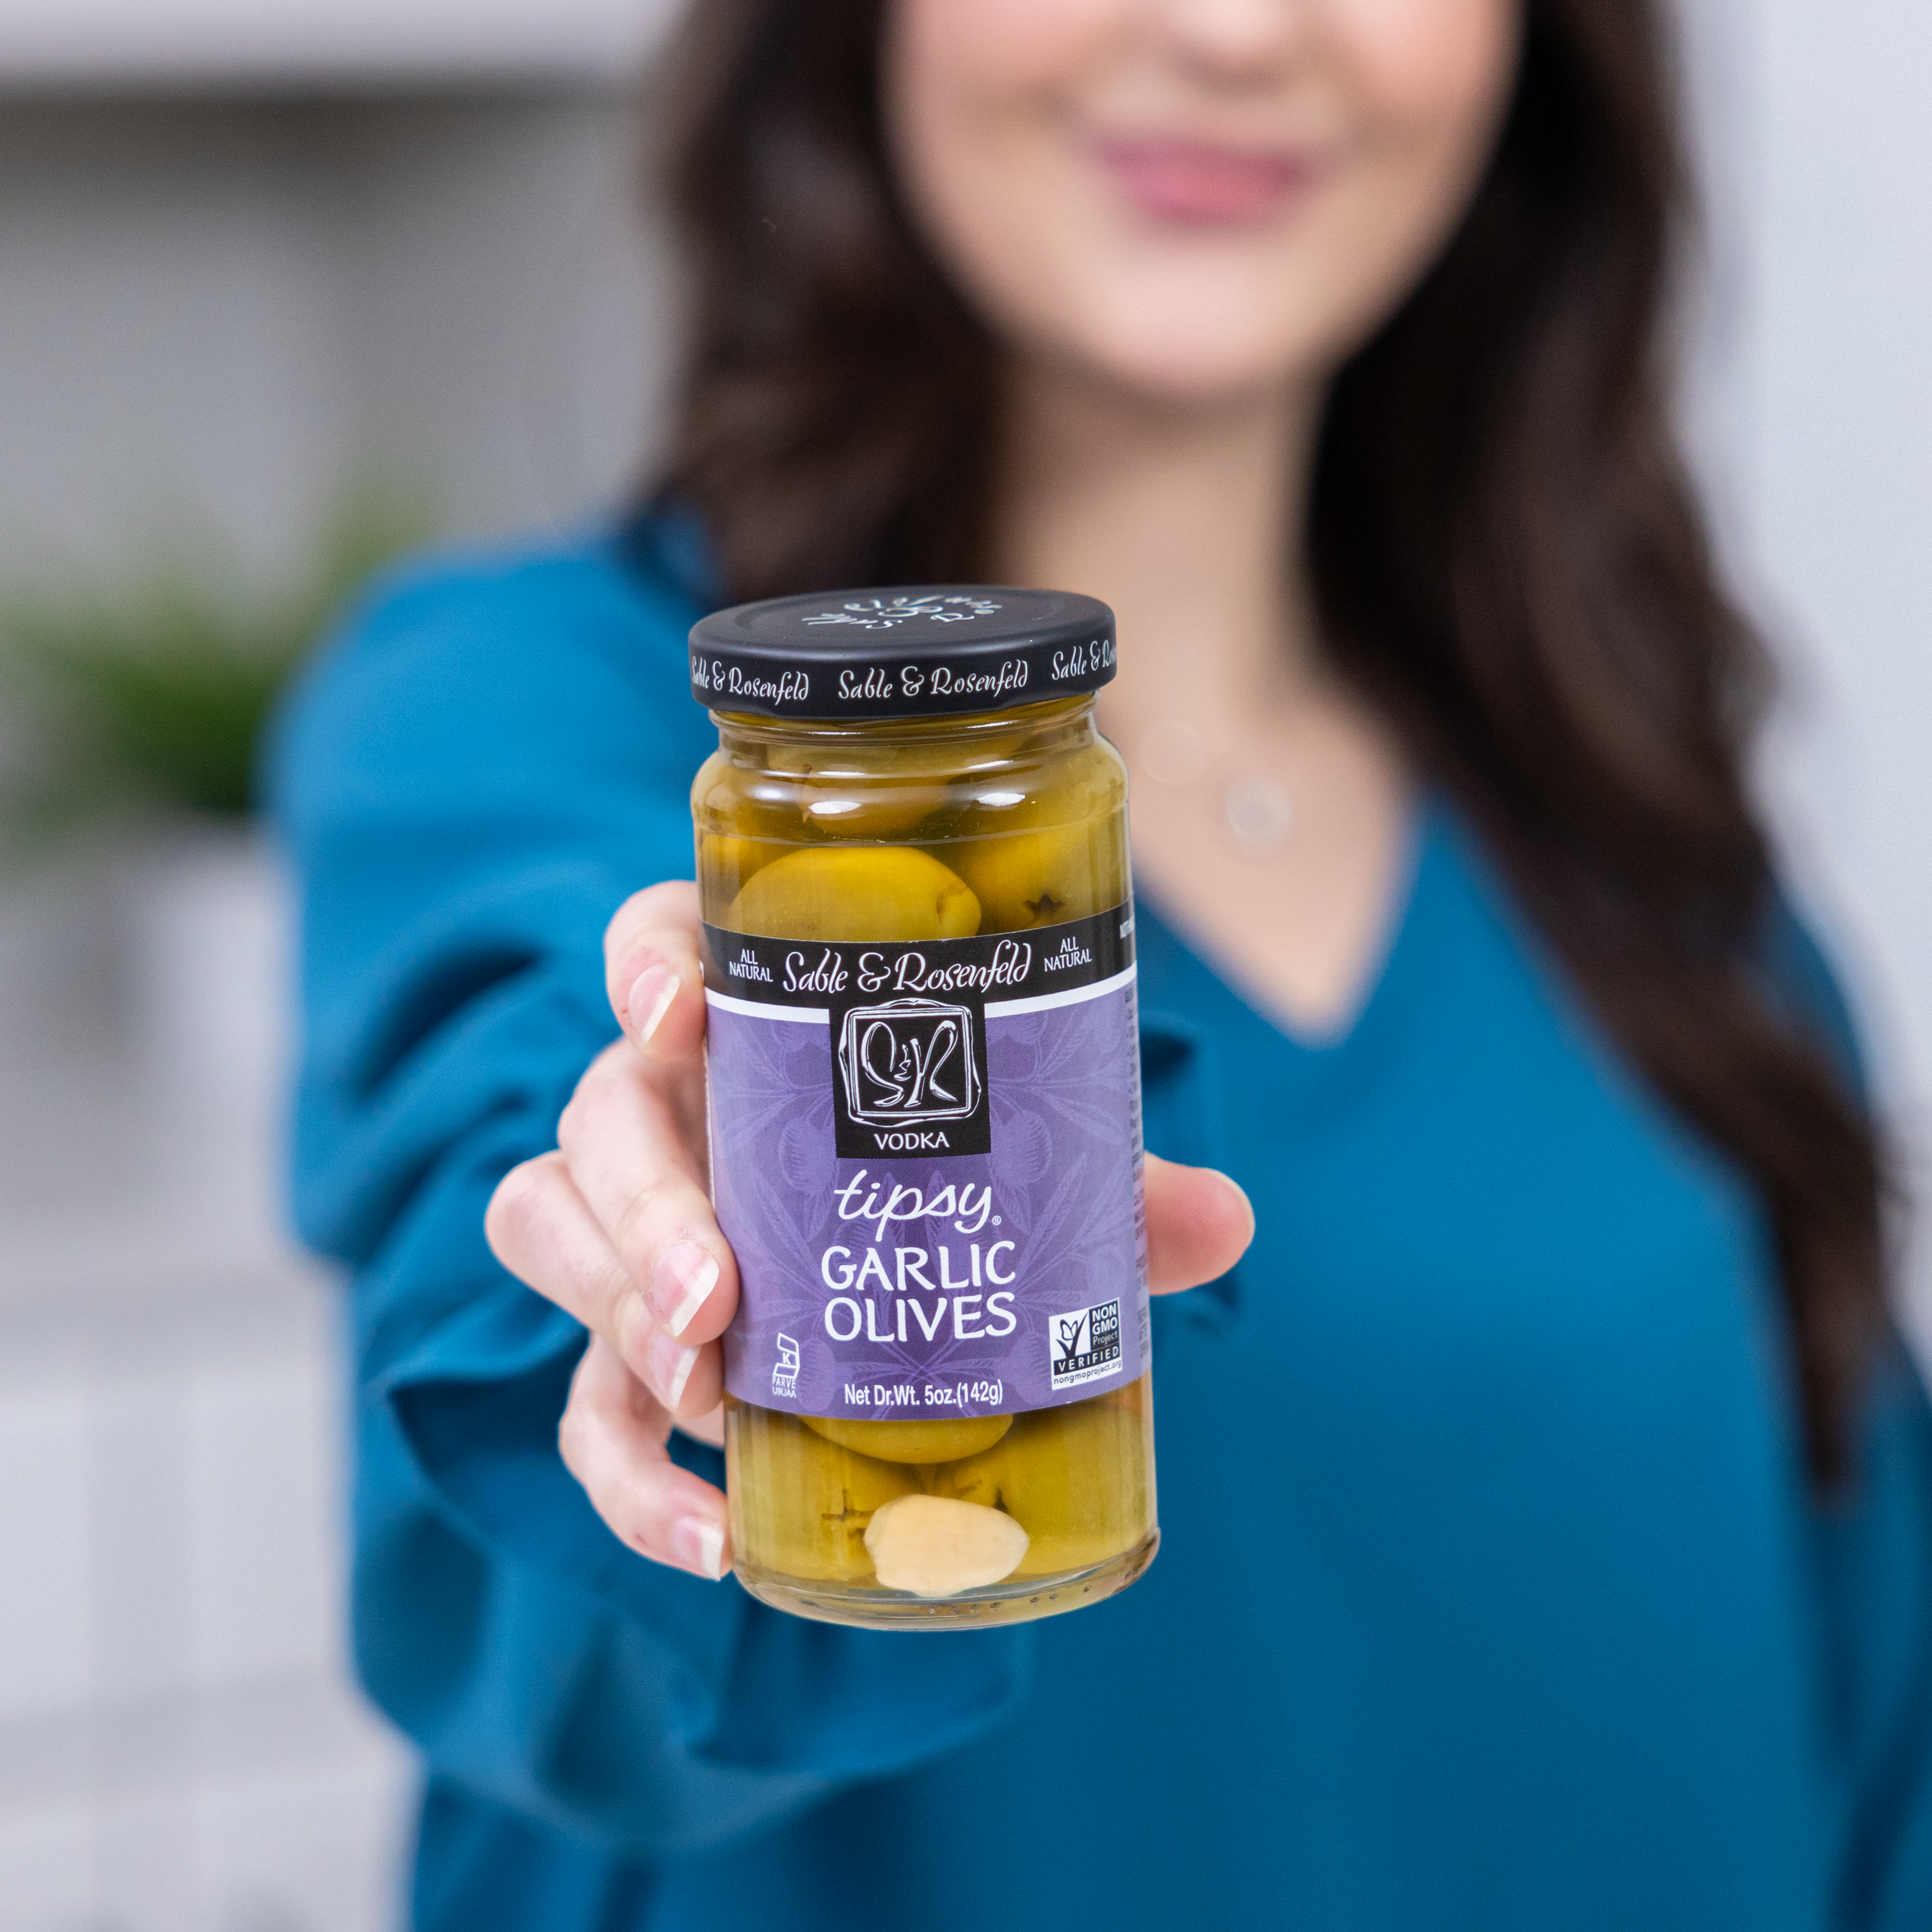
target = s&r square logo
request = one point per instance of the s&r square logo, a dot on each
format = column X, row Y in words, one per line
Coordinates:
column 912, row 1080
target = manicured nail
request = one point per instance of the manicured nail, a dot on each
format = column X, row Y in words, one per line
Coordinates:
column 650, row 996
column 671, row 1364
column 698, row 1544
column 685, row 1275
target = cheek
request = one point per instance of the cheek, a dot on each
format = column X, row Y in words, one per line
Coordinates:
column 1441, row 62
column 989, row 49
column 975, row 95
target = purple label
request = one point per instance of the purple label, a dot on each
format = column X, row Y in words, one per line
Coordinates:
column 932, row 1180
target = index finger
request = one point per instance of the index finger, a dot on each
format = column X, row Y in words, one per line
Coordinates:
column 652, row 973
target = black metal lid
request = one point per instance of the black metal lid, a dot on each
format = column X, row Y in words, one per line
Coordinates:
column 923, row 651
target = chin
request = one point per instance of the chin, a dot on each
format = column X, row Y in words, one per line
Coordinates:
column 1184, row 359
column 1192, row 338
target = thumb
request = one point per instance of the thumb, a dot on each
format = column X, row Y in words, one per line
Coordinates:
column 1198, row 1225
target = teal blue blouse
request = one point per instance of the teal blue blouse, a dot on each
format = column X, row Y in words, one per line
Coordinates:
column 1491, row 1594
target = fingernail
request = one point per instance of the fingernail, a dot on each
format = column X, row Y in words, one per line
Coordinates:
column 698, row 1544
column 649, row 999
column 685, row 1275
column 671, row 1365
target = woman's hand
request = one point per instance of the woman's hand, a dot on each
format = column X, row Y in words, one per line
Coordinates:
column 616, row 1227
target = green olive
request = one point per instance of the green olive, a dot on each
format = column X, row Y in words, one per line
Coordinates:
column 801, row 1504
column 944, row 1440
column 1074, row 1478
column 725, row 862
column 1042, row 877
column 725, row 800
column 882, row 800
column 891, row 893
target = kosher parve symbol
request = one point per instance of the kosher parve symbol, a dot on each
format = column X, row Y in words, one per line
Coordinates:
column 907, row 1060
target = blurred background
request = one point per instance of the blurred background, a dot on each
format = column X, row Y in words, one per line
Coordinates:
column 285, row 290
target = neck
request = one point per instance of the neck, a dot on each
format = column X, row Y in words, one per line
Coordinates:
column 1185, row 518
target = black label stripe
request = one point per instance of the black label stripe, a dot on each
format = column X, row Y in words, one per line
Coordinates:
column 981, row 969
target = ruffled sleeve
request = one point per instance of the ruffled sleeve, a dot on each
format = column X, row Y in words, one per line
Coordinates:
column 470, row 782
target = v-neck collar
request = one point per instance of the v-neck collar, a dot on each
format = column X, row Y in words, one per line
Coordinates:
column 1422, row 835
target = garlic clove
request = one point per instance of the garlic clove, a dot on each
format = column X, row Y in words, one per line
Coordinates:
column 938, row 1546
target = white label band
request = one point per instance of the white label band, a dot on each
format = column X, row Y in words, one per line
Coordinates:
column 1043, row 1002
column 756, row 1009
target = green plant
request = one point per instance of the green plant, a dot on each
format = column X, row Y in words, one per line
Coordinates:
column 152, row 692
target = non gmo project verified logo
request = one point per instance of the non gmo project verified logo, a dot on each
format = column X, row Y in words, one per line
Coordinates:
column 1084, row 1344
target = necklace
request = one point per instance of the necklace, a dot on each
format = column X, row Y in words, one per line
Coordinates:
column 1257, row 811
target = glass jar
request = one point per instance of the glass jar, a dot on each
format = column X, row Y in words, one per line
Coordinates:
column 925, row 1106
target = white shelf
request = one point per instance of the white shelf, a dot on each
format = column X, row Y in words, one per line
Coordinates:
column 180, row 1743
column 63, row 45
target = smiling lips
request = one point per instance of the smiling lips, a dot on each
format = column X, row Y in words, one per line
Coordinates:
column 1201, row 185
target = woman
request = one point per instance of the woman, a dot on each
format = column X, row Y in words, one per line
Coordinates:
column 1547, row 1507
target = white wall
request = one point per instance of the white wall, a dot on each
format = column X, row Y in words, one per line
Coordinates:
column 161, row 43
column 181, row 1749
column 212, row 312
column 1813, row 406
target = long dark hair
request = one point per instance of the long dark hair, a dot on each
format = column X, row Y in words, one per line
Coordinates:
column 1507, row 557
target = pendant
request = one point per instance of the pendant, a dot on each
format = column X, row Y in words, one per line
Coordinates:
column 1260, row 815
